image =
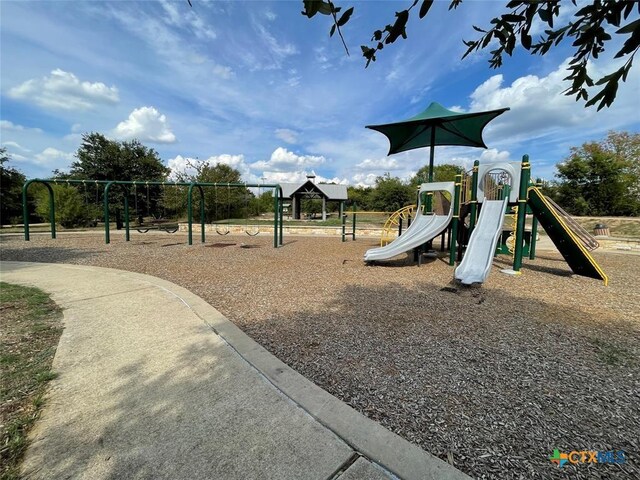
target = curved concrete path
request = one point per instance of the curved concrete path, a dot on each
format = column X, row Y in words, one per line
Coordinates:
column 154, row 383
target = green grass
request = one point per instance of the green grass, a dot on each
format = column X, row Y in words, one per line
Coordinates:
column 618, row 226
column 31, row 326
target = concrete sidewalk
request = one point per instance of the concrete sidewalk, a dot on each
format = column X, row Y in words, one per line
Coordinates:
column 154, row 383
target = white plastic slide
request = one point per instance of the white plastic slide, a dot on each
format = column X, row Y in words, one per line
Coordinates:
column 476, row 264
column 422, row 229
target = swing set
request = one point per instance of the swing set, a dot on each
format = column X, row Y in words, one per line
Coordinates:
column 223, row 229
column 125, row 185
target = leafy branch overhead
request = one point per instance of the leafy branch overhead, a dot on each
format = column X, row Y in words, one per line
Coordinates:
column 590, row 28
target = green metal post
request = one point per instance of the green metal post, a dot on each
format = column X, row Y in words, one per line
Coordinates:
column 534, row 231
column 455, row 220
column 107, row 237
column 25, row 208
column 474, row 197
column 522, row 212
column 127, row 237
column 276, row 214
column 202, row 216
column 190, row 213
column 281, row 211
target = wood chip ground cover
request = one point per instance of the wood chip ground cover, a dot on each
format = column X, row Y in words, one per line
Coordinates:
column 492, row 379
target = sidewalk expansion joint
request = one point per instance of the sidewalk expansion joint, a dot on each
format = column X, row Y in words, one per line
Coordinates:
column 345, row 466
column 125, row 292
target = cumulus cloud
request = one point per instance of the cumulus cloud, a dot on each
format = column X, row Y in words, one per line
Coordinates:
column 145, row 124
column 283, row 160
column 53, row 156
column 539, row 106
column 63, row 90
column 7, row 125
column 184, row 165
column 298, row 177
column 364, row 179
column 387, row 164
column 286, row 135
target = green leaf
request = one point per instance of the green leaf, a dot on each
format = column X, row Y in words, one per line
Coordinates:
column 311, row 7
column 630, row 27
column 424, row 8
column 512, row 18
column 345, row 17
column 333, row 30
column 324, row 7
column 525, row 39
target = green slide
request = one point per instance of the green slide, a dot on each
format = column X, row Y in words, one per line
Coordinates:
column 571, row 248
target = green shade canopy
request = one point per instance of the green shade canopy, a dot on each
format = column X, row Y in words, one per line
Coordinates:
column 437, row 126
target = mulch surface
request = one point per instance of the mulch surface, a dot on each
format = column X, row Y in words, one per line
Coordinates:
column 491, row 378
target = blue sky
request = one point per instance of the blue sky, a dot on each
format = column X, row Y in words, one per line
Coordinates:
column 258, row 86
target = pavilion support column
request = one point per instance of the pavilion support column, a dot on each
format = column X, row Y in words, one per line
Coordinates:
column 294, row 208
column 324, row 208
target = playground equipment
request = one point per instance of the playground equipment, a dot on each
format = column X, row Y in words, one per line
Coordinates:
column 224, row 229
column 484, row 235
column 480, row 202
column 277, row 204
column 425, row 226
column 480, row 251
column 396, row 222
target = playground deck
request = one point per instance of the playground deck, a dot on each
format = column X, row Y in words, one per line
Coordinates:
column 492, row 379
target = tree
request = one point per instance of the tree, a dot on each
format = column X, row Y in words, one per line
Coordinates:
column 441, row 173
column 220, row 202
column 71, row 211
column 361, row 196
column 602, row 178
column 590, row 29
column 391, row 194
column 102, row 159
column 11, row 181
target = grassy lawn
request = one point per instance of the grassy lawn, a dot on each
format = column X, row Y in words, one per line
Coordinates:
column 31, row 326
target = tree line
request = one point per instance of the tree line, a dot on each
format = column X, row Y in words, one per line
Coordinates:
column 599, row 178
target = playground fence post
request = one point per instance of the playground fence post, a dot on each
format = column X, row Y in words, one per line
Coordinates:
column 454, row 221
column 522, row 212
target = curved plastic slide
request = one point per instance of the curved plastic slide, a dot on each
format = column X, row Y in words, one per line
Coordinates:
column 476, row 264
column 421, row 230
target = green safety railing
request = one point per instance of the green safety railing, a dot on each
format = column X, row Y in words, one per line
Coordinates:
column 278, row 210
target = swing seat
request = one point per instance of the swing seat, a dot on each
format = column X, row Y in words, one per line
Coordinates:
column 163, row 227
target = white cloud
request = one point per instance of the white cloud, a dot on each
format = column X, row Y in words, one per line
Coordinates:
column 7, row 125
column 145, row 124
column 493, row 155
column 539, row 106
column 187, row 19
column 63, row 90
column 387, row 164
column 286, row 135
column 53, row 156
column 283, row 160
column 16, row 146
column 180, row 164
column 299, row 176
column 223, row 72
column 364, row 179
